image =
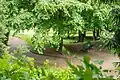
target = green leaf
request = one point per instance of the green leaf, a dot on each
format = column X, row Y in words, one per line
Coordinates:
column 88, row 74
column 100, row 62
column 26, row 75
column 86, row 59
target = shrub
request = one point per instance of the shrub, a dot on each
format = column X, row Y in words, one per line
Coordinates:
column 2, row 38
column 88, row 71
column 17, row 66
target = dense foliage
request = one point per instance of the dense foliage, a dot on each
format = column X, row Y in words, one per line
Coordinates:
column 2, row 38
column 60, row 16
column 112, row 39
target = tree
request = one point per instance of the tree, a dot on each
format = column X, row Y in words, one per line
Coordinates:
column 15, row 15
column 95, row 19
column 111, row 40
column 60, row 16
column 2, row 38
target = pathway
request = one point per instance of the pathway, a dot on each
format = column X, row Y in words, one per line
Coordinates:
column 60, row 61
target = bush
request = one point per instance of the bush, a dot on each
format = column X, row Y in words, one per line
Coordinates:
column 52, row 73
column 17, row 66
column 2, row 38
column 89, row 71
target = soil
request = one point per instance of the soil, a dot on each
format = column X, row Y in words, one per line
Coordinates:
column 60, row 60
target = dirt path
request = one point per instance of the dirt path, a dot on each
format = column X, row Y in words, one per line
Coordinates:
column 60, row 61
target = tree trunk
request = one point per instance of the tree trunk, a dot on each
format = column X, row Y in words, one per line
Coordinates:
column 119, row 55
column 7, row 38
column 68, row 35
column 94, row 36
column 79, row 36
column 83, row 36
column 98, row 34
column 61, row 45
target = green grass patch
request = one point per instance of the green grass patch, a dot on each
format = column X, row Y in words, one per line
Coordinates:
column 27, row 35
column 25, row 38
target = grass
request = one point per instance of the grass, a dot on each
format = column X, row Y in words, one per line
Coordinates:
column 68, row 41
column 27, row 35
column 25, row 38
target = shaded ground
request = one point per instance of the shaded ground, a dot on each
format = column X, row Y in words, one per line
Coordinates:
column 60, row 60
